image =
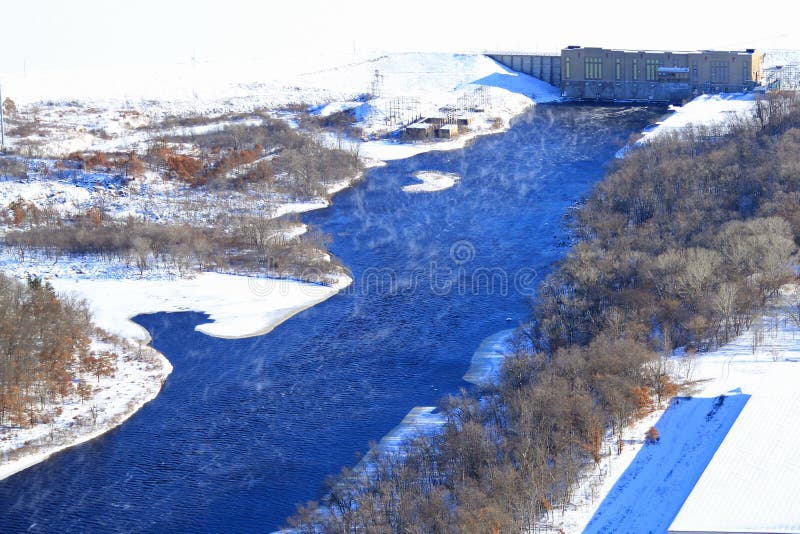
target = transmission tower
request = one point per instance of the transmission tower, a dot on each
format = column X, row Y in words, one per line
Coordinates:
column 376, row 88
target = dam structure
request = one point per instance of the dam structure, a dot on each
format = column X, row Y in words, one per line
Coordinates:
column 593, row 74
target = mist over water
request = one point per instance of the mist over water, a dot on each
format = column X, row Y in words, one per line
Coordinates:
column 246, row 429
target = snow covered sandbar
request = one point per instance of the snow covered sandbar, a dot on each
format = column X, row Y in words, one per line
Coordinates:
column 238, row 306
column 430, row 181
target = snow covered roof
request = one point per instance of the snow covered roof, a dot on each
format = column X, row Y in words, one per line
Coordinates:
column 751, row 483
column 418, row 126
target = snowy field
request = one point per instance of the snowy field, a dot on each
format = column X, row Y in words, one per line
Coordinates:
column 751, row 483
column 114, row 111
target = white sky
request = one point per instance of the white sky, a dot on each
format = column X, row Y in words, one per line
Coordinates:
column 48, row 34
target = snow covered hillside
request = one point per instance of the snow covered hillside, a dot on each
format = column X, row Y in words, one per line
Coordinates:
column 382, row 92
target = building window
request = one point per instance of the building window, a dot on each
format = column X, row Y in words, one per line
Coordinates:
column 719, row 72
column 652, row 69
column 567, row 70
column 618, row 69
column 593, row 67
column 635, row 72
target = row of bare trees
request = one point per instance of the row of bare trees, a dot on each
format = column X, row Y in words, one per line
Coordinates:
column 288, row 160
column 283, row 162
column 243, row 243
column 681, row 244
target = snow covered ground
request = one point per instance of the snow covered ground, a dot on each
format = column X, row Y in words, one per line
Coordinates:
column 750, row 484
column 705, row 110
column 487, row 359
column 111, row 112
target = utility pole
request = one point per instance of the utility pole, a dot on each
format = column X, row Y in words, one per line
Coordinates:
column 2, row 123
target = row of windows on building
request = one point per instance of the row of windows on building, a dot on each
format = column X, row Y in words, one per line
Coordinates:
column 593, row 69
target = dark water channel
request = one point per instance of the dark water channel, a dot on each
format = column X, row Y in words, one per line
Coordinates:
column 245, row 429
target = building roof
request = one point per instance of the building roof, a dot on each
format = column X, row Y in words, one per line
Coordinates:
column 419, row 126
column 752, row 483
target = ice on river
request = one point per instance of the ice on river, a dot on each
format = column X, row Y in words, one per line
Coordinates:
column 430, row 181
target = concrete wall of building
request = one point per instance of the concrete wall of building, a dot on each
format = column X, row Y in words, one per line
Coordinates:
column 542, row 67
column 644, row 76
column 592, row 73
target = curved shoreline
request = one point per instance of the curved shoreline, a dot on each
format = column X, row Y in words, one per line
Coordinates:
column 42, row 451
column 134, row 332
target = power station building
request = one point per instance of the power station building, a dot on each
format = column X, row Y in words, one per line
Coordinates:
column 640, row 76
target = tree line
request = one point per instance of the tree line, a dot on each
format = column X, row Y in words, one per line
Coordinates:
column 681, row 244
column 241, row 243
column 273, row 153
column 280, row 160
column 45, row 349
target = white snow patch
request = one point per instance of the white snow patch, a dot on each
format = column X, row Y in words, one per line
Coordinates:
column 238, row 306
column 488, row 358
column 430, row 181
column 705, row 110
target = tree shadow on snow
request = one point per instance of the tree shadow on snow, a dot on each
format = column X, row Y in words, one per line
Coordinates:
column 650, row 493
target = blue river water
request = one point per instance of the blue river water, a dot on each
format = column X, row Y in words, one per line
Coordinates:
column 246, row 429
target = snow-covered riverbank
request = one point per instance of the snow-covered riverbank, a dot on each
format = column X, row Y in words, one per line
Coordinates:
column 237, row 306
column 139, row 375
column 641, row 487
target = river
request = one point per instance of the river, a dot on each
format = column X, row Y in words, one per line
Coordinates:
column 246, row 429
